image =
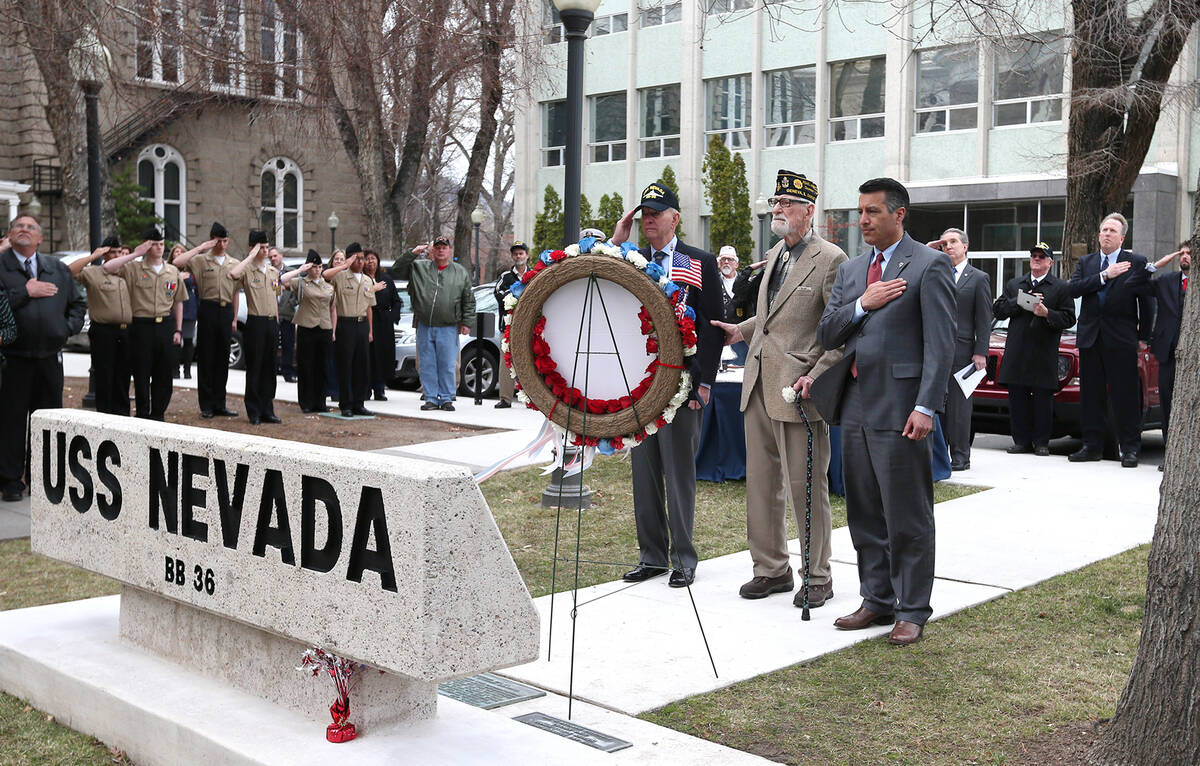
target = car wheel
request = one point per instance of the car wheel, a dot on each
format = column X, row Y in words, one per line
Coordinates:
column 237, row 359
column 488, row 369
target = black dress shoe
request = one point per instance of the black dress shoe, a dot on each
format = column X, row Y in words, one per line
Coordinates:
column 256, row 421
column 206, row 414
column 271, row 419
column 347, row 413
column 307, row 411
column 503, row 405
column 1129, row 460
column 1019, row 449
column 681, row 578
column 289, row 378
column 362, row 412
column 643, row 572
column 322, row 408
column 380, row 398
column 1042, row 451
column 225, row 411
column 13, row 494
column 1085, row 455
column 960, row 466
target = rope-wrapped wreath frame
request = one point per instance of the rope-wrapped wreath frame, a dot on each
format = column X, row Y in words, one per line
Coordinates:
column 663, row 387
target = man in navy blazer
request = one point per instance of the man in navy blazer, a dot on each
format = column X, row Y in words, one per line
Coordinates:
column 664, row 463
column 1116, row 312
column 1169, row 291
column 894, row 309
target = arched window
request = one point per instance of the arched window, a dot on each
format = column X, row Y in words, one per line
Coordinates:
column 163, row 178
column 282, row 196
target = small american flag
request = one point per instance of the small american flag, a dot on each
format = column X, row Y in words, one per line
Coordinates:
column 685, row 270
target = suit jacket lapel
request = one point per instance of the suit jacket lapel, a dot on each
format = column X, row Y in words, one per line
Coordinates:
column 899, row 260
column 799, row 272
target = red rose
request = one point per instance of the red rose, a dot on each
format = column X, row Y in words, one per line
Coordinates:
column 575, row 397
column 617, row 443
column 612, row 405
column 558, row 255
column 508, row 359
column 650, row 368
column 540, row 346
column 625, row 402
column 539, row 326
column 544, row 364
column 591, row 441
column 507, row 328
column 595, row 406
column 660, row 421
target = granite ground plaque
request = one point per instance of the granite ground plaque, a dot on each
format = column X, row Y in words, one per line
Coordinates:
column 488, row 691
column 574, row 732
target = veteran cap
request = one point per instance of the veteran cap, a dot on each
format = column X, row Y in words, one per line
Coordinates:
column 790, row 184
column 154, row 234
column 353, row 248
column 313, row 257
column 658, row 197
column 217, row 231
column 111, row 241
column 444, row 240
column 1042, row 247
column 516, row 246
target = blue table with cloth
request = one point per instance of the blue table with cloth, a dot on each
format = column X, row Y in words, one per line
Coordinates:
column 722, row 453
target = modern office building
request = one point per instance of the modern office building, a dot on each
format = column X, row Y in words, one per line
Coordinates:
column 976, row 129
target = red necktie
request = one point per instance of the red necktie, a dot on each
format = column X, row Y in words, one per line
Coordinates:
column 1185, row 283
column 874, row 274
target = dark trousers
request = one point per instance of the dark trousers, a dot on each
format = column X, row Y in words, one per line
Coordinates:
column 260, row 338
column 287, row 347
column 1166, row 391
column 29, row 384
column 353, row 365
column 664, row 492
column 1110, row 376
column 154, row 361
column 889, row 509
column 214, row 331
column 1030, row 415
column 109, row 345
column 312, row 347
column 956, row 420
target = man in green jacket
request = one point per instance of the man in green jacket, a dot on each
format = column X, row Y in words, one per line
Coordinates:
column 442, row 301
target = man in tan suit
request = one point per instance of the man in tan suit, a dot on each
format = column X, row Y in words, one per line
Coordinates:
column 784, row 353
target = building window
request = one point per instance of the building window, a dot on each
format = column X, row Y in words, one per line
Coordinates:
column 842, row 229
column 552, row 28
column 728, row 6
column 608, row 128
column 282, row 193
column 856, row 90
column 661, row 13
column 608, row 25
column 1029, row 82
column 947, row 89
column 791, row 106
column 279, row 53
column 660, row 121
column 163, row 177
column 221, row 22
column 554, row 133
column 158, row 33
column 728, row 110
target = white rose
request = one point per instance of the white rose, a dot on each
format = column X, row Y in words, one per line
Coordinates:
column 571, row 250
column 510, row 302
column 663, row 281
column 789, row 394
column 651, row 429
column 636, row 259
column 521, row 397
column 689, row 350
column 503, row 345
column 669, row 414
column 607, row 249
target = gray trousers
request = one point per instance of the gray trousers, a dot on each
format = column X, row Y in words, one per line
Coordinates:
column 664, row 491
column 889, row 509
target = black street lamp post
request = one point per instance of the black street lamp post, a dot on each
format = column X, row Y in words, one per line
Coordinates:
column 333, row 224
column 476, row 219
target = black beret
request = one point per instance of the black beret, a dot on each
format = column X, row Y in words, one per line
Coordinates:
column 154, row 234
column 353, row 248
column 111, row 241
column 257, row 237
column 313, row 257
column 217, row 231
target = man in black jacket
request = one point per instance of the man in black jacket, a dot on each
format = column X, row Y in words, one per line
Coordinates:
column 1116, row 312
column 48, row 309
column 666, row 460
column 520, row 257
column 1169, row 291
column 1029, row 368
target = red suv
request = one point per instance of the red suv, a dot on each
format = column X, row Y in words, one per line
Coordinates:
column 991, row 398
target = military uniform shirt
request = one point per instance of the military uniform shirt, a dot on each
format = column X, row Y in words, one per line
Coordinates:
column 354, row 294
column 262, row 291
column 153, row 294
column 213, row 280
column 315, row 297
column 107, row 296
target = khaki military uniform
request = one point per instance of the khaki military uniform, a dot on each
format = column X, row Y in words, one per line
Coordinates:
column 108, row 337
column 354, row 298
column 313, row 337
column 153, row 354
column 214, row 327
column 260, row 338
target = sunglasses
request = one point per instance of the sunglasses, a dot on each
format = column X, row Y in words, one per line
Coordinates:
column 1039, row 256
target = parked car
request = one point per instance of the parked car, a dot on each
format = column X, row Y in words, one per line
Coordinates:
column 488, row 370
column 991, row 398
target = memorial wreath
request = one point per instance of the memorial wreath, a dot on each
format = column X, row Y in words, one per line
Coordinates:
column 667, row 322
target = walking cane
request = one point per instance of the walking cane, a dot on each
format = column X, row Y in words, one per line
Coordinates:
column 807, row 506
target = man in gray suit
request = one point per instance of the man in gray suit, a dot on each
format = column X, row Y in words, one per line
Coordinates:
column 893, row 309
column 973, row 292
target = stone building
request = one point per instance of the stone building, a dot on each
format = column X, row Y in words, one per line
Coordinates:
column 206, row 109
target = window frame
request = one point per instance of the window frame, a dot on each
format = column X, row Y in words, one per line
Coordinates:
column 794, row 128
column 279, row 210
column 944, row 109
column 856, row 120
column 549, row 151
column 169, row 156
column 663, row 140
column 236, row 61
column 730, row 136
column 1030, row 102
column 277, row 66
column 150, row 13
column 660, row 11
column 608, row 146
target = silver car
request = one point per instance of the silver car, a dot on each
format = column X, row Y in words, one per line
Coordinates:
column 488, row 368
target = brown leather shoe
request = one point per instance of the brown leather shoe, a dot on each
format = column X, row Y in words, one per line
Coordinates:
column 761, row 587
column 817, row 595
column 862, row 618
column 905, row 633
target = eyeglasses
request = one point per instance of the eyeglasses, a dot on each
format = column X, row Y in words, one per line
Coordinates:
column 785, row 202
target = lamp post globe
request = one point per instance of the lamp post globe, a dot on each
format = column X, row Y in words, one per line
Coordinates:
column 90, row 61
column 762, row 207
column 476, row 219
column 333, row 224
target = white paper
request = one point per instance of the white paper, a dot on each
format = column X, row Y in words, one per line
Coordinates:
column 969, row 378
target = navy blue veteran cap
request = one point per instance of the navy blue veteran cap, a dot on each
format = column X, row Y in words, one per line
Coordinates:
column 1042, row 247
column 790, row 184
column 518, row 246
column 658, row 197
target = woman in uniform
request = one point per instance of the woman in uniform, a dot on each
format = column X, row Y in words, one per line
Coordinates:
column 384, row 315
column 315, row 317
column 191, row 311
